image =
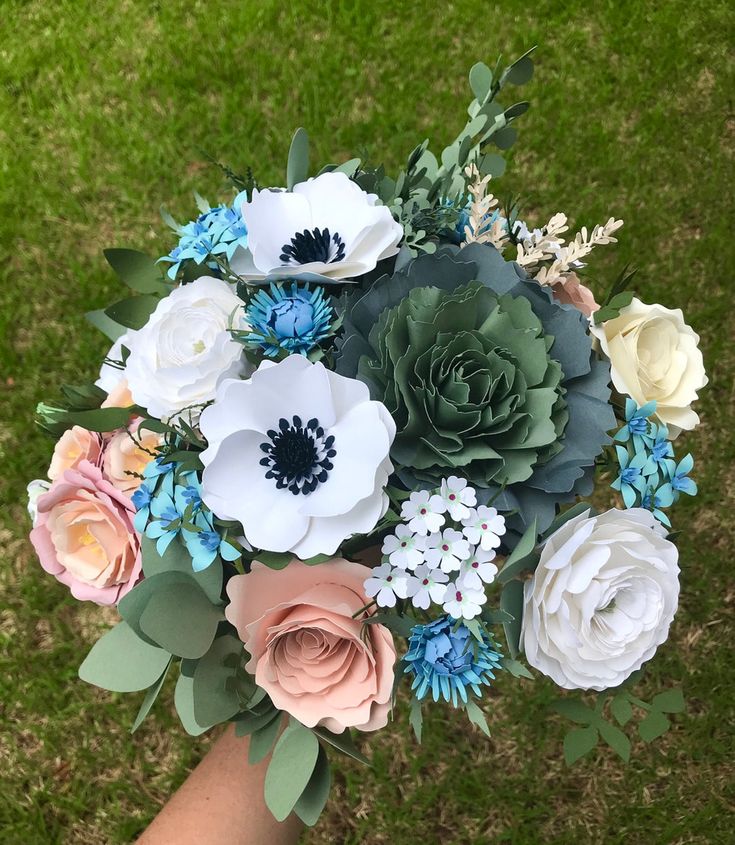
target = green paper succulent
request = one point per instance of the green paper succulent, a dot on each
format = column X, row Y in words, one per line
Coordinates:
column 467, row 377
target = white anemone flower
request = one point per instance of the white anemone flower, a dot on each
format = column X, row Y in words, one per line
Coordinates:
column 326, row 227
column 299, row 455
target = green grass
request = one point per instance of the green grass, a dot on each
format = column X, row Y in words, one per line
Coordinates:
column 105, row 108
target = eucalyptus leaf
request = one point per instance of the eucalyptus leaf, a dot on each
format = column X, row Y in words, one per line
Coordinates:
column 511, row 601
column 521, row 71
column 481, row 80
column 520, row 558
column 298, row 159
column 184, row 703
column 314, row 797
column 121, row 661
column 342, row 742
column 262, row 739
column 416, row 718
column 215, row 699
column 177, row 559
column 149, row 699
column 290, row 769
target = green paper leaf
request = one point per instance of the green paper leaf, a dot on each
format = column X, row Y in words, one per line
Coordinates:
column 149, row 699
column 616, row 739
column 401, row 626
column 653, row 726
column 342, row 742
column 121, row 661
column 416, row 718
column 494, row 616
column 481, row 80
column 477, row 717
column 134, row 311
column 565, row 516
column 314, row 797
column 521, row 71
column 274, row 560
column 621, row 709
column 262, row 739
column 504, row 138
column 290, row 769
column 181, row 619
column 100, row 420
column 298, row 159
column 671, row 701
column 215, row 698
column 511, row 601
column 249, row 723
column 178, row 559
column 579, row 742
column 520, row 558
column 184, row 703
column 108, row 327
column 139, row 271
column 517, row 669
column 576, row 711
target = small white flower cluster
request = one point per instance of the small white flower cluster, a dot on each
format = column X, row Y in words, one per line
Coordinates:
column 442, row 553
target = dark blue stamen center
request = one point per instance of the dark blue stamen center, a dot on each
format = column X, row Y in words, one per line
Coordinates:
column 315, row 245
column 298, row 456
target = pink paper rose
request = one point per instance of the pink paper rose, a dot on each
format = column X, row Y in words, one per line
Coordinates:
column 84, row 536
column 570, row 291
column 75, row 445
column 314, row 660
column 127, row 453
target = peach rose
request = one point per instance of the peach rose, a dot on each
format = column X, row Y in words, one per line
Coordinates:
column 127, row 454
column 119, row 396
column 84, row 536
column 570, row 291
column 307, row 652
column 75, row 445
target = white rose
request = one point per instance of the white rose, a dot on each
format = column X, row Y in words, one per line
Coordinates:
column 110, row 375
column 654, row 356
column 601, row 600
column 185, row 350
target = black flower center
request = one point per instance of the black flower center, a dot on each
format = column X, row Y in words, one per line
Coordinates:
column 315, row 245
column 298, row 456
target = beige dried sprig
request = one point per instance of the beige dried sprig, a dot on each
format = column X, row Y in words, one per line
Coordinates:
column 479, row 230
column 577, row 249
column 542, row 243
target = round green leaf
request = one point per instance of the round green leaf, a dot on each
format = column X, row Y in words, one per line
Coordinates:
column 121, row 662
column 290, row 769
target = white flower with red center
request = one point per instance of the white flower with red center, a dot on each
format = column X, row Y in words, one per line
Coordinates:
column 404, row 548
column 447, row 550
column 463, row 603
column 484, row 527
column 478, row 570
column 424, row 512
column 426, row 586
column 385, row 584
column 458, row 497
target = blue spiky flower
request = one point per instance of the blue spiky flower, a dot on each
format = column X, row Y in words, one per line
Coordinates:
column 288, row 318
column 446, row 659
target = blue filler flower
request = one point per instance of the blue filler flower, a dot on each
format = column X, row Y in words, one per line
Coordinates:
column 446, row 659
column 637, row 426
column 679, row 480
column 288, row 318
column 631, row 480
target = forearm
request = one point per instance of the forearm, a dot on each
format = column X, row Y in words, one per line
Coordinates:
column 221, row 803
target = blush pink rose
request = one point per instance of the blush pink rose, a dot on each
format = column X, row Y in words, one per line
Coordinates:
column 126, row 454
column 75, row 445
column 313, row 659
column 119, row 396
column 84, row 536
column 570, row 291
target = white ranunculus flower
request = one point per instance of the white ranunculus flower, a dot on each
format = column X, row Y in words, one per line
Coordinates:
column 654, row 355
column 298, row 455
column 111, row 376
column 326, row 226
column 180, row 356
column 601, row 600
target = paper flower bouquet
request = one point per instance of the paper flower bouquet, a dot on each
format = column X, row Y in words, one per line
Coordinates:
column 335, row 462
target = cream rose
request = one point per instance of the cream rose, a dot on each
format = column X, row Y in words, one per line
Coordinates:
column 75, row 445
column 84, row 536
column 654, row 355
column 309, row 654
column 601, row 600
column 185, row 350
column 127, row 453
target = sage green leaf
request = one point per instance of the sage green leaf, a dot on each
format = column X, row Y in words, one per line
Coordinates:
column 565, row 516
column 576, row 711
column 578, row 742
column 520, row 558
column 184, row 703
column 511, row 601
column 505, row 138
column 616, row 739
column 671, row 701
column 262, row 739
column 290, row 769
column 342, row 742
column 215, row 696
column 477, row 717
column 653, row 726
column 134, row 311
column 108, row 327
column 149, row 699
column 401, row 626
column 181, row 619
column 481, row 80
column 517, row 669
column 416, row 718
column 249, row 723
column 139, row 271
column 314, row 797
column 121, row 662
column 298, row 159
column 621, row 708
column 274, row 560
column 178, row 559
column 521, row 71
